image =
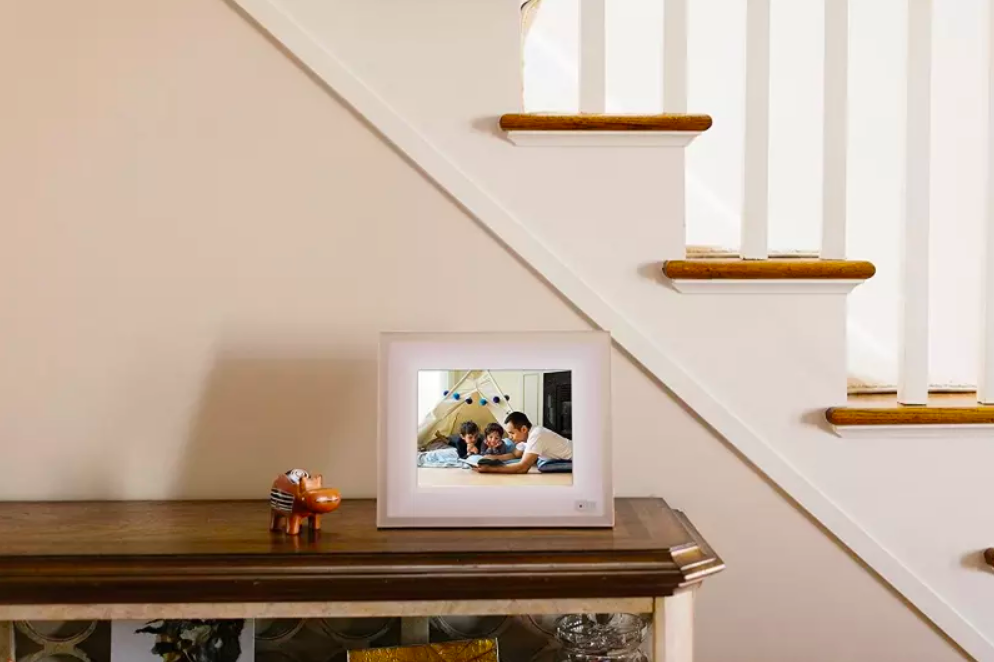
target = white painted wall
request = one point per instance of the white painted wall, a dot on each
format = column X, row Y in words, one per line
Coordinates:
column 512, row 383
column 431, row 385
column 199, row 245
column 775, row 363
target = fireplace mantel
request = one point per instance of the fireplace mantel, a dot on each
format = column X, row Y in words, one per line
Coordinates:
column 215, row 559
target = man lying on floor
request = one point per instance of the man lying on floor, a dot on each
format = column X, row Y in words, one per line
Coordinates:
column 534, row 445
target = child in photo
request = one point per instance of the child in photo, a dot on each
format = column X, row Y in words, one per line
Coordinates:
column 470, row 441
column 494, row 442
column 532, row 444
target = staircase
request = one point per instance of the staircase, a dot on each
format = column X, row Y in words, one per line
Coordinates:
column 596, row 205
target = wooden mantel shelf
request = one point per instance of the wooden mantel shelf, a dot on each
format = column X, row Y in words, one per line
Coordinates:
column 200, row 552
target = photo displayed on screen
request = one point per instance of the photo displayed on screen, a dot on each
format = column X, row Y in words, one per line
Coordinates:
column 495, row 428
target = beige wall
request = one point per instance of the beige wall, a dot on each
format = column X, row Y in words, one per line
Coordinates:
column 198, row 246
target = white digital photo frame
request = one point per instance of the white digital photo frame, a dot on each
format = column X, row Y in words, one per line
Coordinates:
column 549, row 462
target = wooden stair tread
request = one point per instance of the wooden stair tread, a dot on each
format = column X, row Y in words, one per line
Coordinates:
column 603, row 122
column 777, row 269
column 942, row 409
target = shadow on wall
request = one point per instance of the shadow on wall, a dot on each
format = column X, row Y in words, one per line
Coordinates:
column 978, row 560
column 261, row 415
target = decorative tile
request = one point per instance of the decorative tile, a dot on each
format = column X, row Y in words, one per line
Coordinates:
column 6, row 641
column 321, row 639
column 479, row 650
column 41, row 641
column 183, row 640
column 520, row 638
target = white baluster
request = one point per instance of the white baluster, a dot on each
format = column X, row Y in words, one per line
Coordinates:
column 756, row 183
column 913, row 357
column 675, row 29
column 985, row 387
column 836, row 148
column 674, row 98
column 593, row 56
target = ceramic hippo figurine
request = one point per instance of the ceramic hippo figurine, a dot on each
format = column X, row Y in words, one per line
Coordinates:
column 295, row 496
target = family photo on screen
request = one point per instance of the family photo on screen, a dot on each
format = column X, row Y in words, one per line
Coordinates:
column 495, row 427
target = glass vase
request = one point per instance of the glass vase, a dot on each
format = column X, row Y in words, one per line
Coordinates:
column 601, row 638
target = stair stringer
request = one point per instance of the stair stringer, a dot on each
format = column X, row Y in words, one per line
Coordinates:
column 558, row 211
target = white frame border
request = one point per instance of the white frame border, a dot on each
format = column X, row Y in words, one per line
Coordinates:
column 401, row 503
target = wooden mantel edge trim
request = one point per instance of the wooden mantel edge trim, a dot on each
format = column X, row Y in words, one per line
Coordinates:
column 701, row 561
column 978, row 415
column 598, row 122
column 785, row 269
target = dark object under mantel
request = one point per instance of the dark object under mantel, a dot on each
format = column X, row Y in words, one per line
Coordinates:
column 210, row 551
